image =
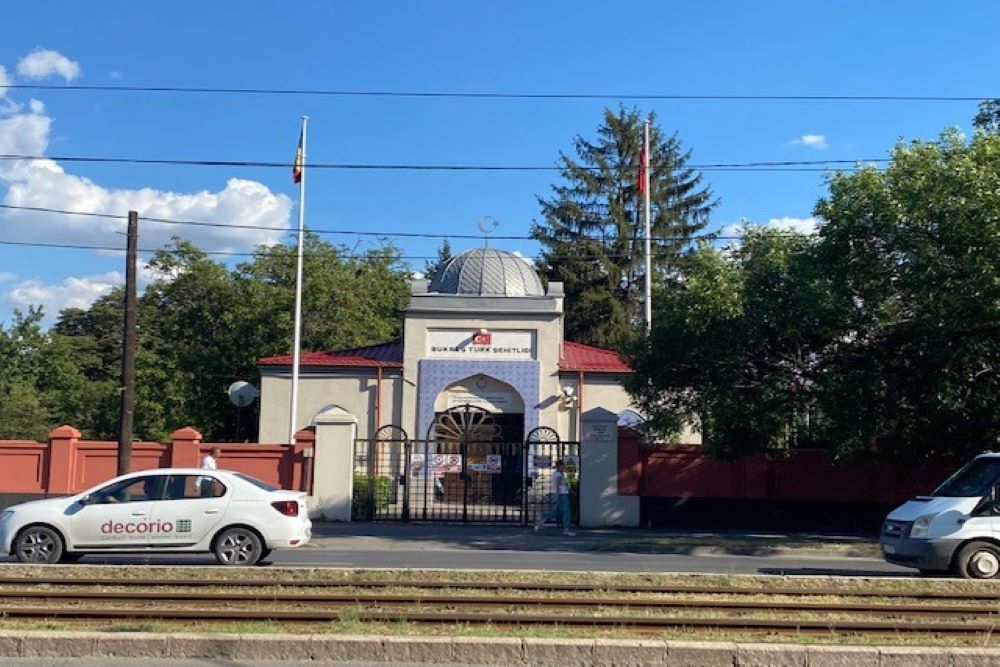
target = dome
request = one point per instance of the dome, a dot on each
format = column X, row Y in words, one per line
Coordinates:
column 487, row 272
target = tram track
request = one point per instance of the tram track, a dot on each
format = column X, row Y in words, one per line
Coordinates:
column 636, row 608
column 572, row 604
column 826, row 591
column 643, row 624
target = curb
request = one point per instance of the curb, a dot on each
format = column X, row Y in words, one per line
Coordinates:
column 761, row 551
column 474, row 650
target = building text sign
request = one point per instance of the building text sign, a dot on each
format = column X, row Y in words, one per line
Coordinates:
column 509, row 344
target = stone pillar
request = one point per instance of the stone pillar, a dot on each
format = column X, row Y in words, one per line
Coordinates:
column 333, row 480
column 600, row 504
column 62, row 459
column 185, row 444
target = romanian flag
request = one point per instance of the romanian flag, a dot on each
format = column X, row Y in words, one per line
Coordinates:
column 299, row 165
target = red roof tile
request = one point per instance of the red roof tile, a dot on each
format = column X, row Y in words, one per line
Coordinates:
column 386, row 355
column 576, row 357
column 580, row 357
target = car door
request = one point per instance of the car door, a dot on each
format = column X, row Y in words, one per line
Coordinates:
column 191, row 507
column 117, row 516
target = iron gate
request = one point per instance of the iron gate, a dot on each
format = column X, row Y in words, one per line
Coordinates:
column 463, row 471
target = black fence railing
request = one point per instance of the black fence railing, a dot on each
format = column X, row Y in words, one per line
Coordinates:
column 397, row 479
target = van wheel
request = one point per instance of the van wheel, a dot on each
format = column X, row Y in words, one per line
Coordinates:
column 978, row 560
column 238, row 546
column 38, row 544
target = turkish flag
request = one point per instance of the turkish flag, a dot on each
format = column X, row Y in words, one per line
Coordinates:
column 482, row 338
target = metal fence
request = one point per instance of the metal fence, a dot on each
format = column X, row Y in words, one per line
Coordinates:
column 459, row 479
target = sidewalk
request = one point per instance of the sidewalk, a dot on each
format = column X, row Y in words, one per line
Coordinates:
column 444, row 537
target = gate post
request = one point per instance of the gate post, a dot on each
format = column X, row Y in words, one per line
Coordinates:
column 333, row 476
column 600, row 504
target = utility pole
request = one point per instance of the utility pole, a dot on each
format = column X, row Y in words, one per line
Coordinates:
column 128, row 350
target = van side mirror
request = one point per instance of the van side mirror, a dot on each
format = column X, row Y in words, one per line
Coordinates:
column 86, row 500
column 994, row 499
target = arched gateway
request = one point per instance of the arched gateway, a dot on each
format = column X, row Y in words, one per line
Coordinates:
column 465, row 469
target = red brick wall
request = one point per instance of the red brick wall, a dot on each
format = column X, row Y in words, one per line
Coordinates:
column 683, row 471
column 66, row 464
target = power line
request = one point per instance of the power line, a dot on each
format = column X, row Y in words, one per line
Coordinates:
column 679, row 97
column 762, row 165
column 351, row 256
column 338, row 232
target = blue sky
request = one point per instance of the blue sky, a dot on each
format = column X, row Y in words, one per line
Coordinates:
column 773, row 47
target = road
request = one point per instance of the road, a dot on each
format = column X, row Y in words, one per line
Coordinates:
column 516, row 548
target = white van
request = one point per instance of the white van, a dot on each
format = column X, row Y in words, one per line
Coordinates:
column 955, row 529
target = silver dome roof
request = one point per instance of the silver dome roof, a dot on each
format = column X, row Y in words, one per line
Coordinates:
column 487, row 272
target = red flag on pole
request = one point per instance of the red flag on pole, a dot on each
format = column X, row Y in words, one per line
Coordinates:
column 643, row 167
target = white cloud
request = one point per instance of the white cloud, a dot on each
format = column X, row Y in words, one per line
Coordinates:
column 4, row 81
column 45, row 184
column 800, row 225
column 72, row 292
column 45, row 63
column 530, row 261
column 786, row 223
column 817, row 141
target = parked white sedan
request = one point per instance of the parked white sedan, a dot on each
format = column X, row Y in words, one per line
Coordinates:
column 238, row 518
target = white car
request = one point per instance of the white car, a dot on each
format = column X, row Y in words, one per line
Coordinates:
column 238, row 518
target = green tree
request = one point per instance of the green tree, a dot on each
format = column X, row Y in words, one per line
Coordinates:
column 733, row 346
column 878, row 337
column 988, row 117
column 913, row 255
column 203, row 325
column 443, row 257
column 592, row 234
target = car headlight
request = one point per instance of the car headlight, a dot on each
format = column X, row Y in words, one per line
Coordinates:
column 921, row 526
column 6, row 514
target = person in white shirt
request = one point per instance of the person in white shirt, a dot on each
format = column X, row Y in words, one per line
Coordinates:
column 562, row 511
column 210, row 462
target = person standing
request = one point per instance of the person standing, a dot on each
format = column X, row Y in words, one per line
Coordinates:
column 561, row 512
column 209, row 462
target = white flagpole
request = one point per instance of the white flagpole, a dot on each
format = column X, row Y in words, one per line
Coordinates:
column 297, row 337
column 649, row 253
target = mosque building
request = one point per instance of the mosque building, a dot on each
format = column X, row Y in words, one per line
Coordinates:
column 483, row 332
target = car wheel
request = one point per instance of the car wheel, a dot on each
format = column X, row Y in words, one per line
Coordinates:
column 978, row 560
column 238, row 546
column 38, row 544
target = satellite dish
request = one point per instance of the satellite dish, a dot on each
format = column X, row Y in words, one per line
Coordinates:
column 242, row 394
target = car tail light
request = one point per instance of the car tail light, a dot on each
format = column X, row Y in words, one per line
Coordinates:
column 286, row 507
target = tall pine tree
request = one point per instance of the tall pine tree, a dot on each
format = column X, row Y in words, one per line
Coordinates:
column 592, row 236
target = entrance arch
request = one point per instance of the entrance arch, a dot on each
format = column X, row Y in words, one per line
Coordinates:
column 461, row 405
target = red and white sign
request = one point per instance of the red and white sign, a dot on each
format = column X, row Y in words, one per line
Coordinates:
column 464, row 344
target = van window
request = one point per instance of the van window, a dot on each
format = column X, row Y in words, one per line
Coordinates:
column 974, row 480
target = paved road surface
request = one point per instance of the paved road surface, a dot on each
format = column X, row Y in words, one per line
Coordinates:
column 516, row 548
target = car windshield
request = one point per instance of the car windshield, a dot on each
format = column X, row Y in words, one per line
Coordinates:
column 974, row 480
column 256, row 482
